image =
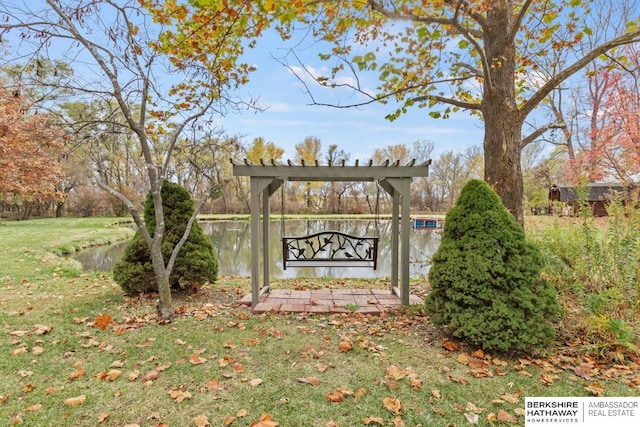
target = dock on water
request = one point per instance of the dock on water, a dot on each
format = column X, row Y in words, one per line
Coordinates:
column 427, row 222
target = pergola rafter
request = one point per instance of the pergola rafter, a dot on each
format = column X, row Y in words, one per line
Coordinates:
column 267, row 177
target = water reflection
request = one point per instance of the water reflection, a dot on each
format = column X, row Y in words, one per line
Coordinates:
column 232, row 240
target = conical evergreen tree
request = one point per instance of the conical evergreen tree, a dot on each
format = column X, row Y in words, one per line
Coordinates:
column 485, row 277
column 196, row 262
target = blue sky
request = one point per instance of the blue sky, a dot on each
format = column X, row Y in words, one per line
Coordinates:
column 359, row 132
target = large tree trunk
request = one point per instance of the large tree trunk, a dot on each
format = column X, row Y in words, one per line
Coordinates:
column 503, row 121
column 502, row 159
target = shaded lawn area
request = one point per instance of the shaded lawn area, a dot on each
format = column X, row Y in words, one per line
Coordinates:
column 75, row 350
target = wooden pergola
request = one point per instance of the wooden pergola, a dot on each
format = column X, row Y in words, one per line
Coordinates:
column 267, row 177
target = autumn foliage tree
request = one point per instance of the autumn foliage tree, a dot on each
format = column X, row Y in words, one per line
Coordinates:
column 479, row 56
column 161, row 64
column 30, row 148
column 613, row 134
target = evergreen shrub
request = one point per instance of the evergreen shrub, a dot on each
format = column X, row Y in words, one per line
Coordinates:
column 485, row 277
column 196, row 263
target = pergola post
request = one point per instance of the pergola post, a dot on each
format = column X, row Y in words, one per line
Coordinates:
column 265, row 187
column 399, row 189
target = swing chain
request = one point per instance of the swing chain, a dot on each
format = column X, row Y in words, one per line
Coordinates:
column 282, row 210
column 377, row 211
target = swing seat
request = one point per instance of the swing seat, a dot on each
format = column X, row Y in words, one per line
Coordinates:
column 329, row 249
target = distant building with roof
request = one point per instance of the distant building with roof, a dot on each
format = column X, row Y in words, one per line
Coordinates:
column 598, row 195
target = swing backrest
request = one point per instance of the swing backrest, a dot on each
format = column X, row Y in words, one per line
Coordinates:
column 329, row 249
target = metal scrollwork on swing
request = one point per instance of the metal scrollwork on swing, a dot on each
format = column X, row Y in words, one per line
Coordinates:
column 330, row 249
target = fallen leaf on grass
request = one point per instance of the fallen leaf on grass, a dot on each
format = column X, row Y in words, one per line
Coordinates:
column 361, row 392
column 229, row 420
column 322, row 368
column 164, row 366
column 48, row 390
column 110, row 375
column 463, row 359
column 481, row 373
column 309, row 380
column 395, row 373
column 451, row 346
column 264, row 421
column 415, row 383
column 41, row 329
column 179, row 395
column 470, row 407
column 19, row 351
column 345, row 346
column 596, row 389
column 117, row 364
column 103, row 321
column 391, row 385
column 150, row 376
column 276, row 333
column 513, row 398
column 145, row 343
column 255, row 382
column 34, row 408
column 76, row 374
column 460, row 380
column 398, row 422
column 335, row 396
column 103, row 417
column 393, row 405
column 479, row 354
column 201, row 421
column 499, row 362
column 214, row 385
column 75, row 401
column 548, row 379
column 506, row 417
column 373, row 420
column 436, row 393
column 28, row 388
column 478, row 364
column 471, row 417
column 195, row 359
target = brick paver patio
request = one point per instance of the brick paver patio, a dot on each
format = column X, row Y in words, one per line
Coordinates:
column 373, row 301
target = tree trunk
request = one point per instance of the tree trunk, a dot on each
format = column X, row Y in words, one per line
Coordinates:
column 163, row 304
column 502, row 159
column 503, row 121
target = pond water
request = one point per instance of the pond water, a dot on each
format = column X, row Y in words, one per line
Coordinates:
column 232, row 241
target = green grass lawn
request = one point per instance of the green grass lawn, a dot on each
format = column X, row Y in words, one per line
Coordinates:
column 75, row 351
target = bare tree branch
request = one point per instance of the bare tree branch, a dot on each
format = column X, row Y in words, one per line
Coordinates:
column 540, row 131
